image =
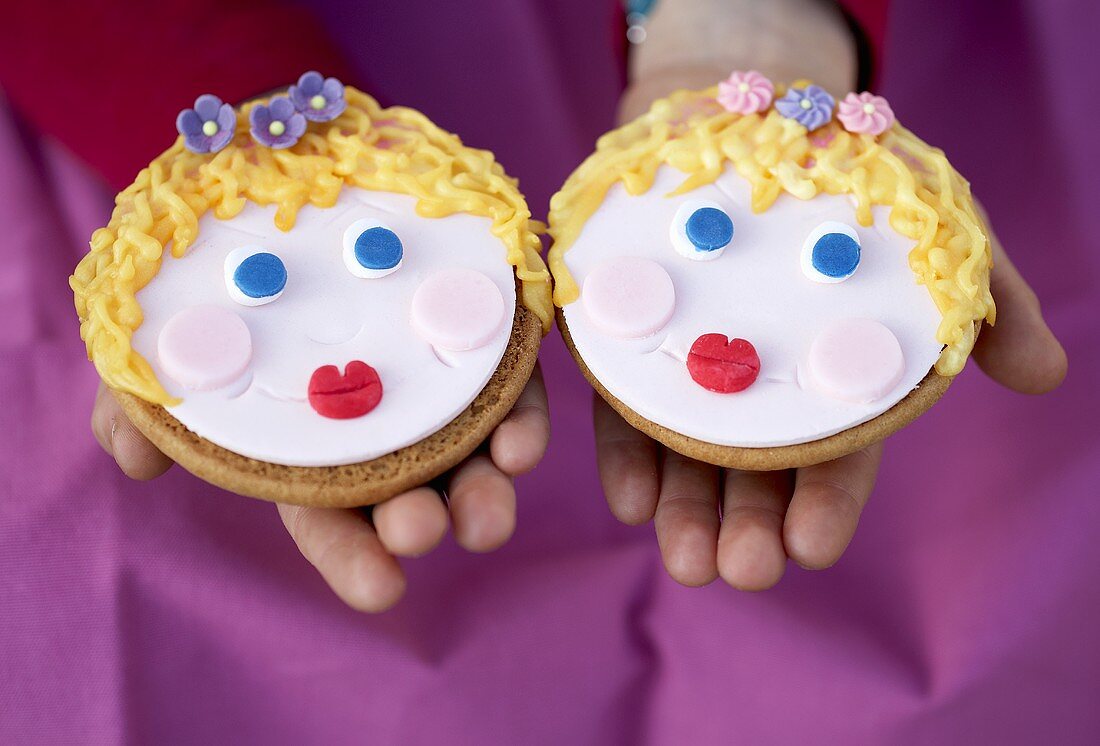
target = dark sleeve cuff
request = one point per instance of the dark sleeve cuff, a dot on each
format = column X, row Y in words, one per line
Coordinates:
column 867, row 22
column 109, row 84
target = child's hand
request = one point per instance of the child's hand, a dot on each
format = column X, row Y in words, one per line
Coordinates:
column 357, row 553
column 810, row 514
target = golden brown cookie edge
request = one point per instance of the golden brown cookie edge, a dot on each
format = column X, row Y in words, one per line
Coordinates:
column 363, row 483
column 915, row 403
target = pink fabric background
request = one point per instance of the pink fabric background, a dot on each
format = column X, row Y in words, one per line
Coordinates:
column 965, row 610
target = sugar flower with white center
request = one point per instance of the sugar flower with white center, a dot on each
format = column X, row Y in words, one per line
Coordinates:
column 745, row 92
column 865, row 114
column 811, row 106
column 209, row 126
column 278, row 124
column 319, row 99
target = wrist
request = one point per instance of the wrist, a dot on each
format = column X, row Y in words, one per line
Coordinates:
column 644, row 90
column 696, row 43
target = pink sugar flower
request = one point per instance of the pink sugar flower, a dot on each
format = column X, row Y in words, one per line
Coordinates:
column 865, row 113
column 745, row 92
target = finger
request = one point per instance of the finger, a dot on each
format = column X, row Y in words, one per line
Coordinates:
column 1019, row 351
column 520, row 441
column 101, row 418
column 686, row 519
column 135, row 455
column 825, row 508
column 411, row 524
column 751, row 555
column 483, row 505
column 346, row 551
column 627, row 462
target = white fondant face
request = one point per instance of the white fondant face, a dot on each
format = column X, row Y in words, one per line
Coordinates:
column 326, row 315
column 828, row 350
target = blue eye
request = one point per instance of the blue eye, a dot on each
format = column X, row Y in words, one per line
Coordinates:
column 254, row 276
column 709, row 228
column 371, row 249
column 835, row 255
column 700, row 230
column 831, row 252
column 378, row 248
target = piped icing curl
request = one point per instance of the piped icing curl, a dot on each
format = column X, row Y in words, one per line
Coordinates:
column 692, row 132
column 382, row 149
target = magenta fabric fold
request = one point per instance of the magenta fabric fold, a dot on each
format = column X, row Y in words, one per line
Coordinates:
column 964, row 612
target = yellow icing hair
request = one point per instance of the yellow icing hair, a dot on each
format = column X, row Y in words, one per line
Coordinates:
column 393, row 150
column 930, row 202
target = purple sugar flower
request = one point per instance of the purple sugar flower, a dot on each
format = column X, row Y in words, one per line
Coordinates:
column 278, row 124
column 209, row 126
column 811, row 107
column 319, row 99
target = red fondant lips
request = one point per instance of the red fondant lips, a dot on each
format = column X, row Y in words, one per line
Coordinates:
column 723, row 365
column 341, row 397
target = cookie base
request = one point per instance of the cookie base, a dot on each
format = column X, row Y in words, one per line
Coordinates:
column 363, row 483
column 915, row 403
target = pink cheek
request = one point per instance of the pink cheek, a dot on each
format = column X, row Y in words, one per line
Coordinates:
column 457, row 309
column 204, row 347
column 856, row 360
column 629, row 297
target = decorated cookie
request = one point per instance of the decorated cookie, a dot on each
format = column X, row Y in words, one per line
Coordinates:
column 761, row 277
column 313, row 299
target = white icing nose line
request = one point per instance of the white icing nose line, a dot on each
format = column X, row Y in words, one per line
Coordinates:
column 325, row 326
column 855, row 360
column 629, row 297
column 204, row 348
column 328, row 335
